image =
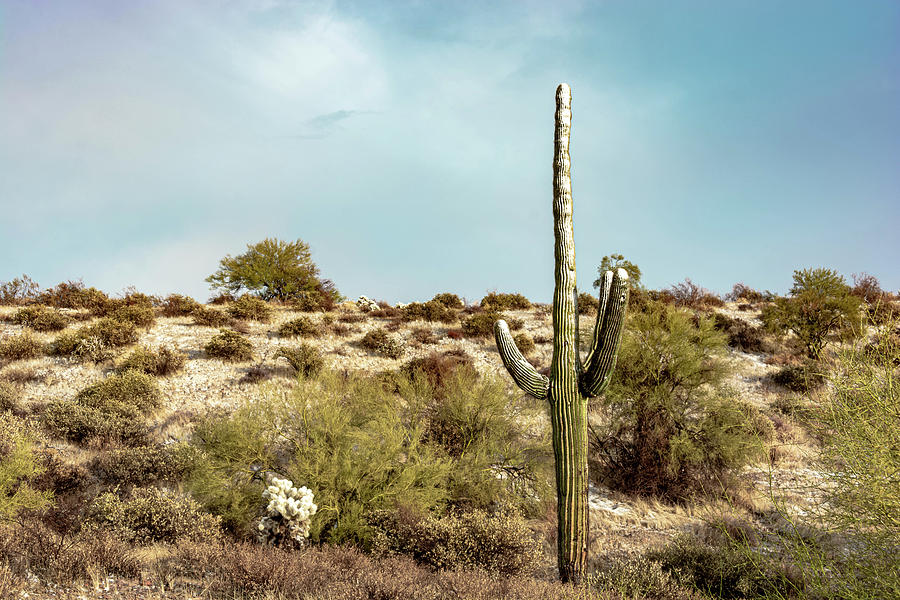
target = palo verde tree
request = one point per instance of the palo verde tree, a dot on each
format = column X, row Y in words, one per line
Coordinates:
column 572, row 381
column 272, row 269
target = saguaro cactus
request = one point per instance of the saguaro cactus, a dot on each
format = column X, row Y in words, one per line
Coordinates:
column 572, row 381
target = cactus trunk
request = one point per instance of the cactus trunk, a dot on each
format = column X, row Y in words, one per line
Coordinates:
column 571, row 382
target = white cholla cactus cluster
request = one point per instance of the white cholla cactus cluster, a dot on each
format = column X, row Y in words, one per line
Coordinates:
column 286, row 522
column 365, row 304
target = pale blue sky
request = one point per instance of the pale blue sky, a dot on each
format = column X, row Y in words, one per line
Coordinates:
column 410, row 143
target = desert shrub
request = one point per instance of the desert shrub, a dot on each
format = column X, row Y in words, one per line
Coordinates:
column 250, row 308
column 867, row 288
column 639, row 578
column 23, row 374
column 139, row 314
column 19, row 465
column 41, row 318
column 95, row 427
column 429, row 311
column 301, row 326
column 176, row 305
column 383, row 343
column 515, row 323
column 820, row 306
column 111, row 332
column 500, row 543
column 210, row 317
column 612, row 262
column 351, row 317
column 386, row 312
column 229, row 346
column 439, row 368
column 144, row 465
column 131, row 388
column 449, row 300
column 150, row 515
column 424, row 335
column 481, row 325
column 743, row 292
column 455, row 334
column 304, row 358
column 498, row 302
column 360, row 448
column 21, row 347
column 524, row 343
column 9, row 396
column 690, row 295
column 340, row 330
column 668, row 430
column 274, row 270
column 21, row 290
column 257, row 374
column 160, row 362
column 804, row 377
column 741, row 334
column 722, row 571
column 587, row 304
column 221, row 299
column 73, row 294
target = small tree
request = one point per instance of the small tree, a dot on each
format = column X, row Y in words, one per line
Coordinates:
column 820, row 304
column 274, row 270
column 613, row 262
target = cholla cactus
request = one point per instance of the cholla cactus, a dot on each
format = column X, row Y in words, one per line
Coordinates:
column 286, row 522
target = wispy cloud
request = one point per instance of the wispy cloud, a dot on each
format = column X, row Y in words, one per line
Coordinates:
column 322, row 126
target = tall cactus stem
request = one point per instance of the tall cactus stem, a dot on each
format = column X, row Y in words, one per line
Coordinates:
column 571, row 381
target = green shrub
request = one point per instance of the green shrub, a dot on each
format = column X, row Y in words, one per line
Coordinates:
column 150, row 515
column 41, row 318
column 820, row 307
column 304, row 358
column 611, row 262
column 439, row 368
column 639, row 578
column 143, row 465
column 498, row 302
column 741, row 334
column 111, row 332
column 500, row 543
column 803, row 378
column 301, row 326
column 19, row 465
column 131, row 389
column 21, row 347
column 587, row 304
column 9, row 396
column 176, row 305
column 747, row 294
column 383, row 343
column 229, row 346
column 250, row 308
column 95, row 427
column 64, row 344
column 449, row 300
column 668, row 430
column 429, row 311
column 210, row 317
column 360, row 448
column 524, row 343
column 161, row 362
column 138, row 314
column 481, row 325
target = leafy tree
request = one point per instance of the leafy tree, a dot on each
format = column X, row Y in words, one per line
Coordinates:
column 820, row 304
column 665, row 426
column 274, row 270
column 618, row 261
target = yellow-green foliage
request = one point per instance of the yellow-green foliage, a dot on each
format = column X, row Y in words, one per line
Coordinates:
column 500, row 543
column 301, row 326
column 139, row 314
column 41, row 318
column 150, row 515
column 21, row 347
column 19, row 464
column 304, row 358
column 160, row 362
column 360, row 448
column 229, row 345
column 250, row 308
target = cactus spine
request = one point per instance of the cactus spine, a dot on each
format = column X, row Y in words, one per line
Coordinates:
column 572, row 381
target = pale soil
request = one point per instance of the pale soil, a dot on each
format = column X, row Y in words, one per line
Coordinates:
column 618, row 524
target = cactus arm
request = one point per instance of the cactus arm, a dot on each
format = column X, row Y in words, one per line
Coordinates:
column 607, row 334
column 522, row 372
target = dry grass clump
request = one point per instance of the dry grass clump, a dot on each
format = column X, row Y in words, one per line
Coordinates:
column 381, row 342
column 21, row 347
column 160, row 362
column 301, row 326
column 41, row 318
column 9, row 396
column 176, row 305
column 250, row 308
column 229, row 346
column 211, row 317
column 304, row 358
